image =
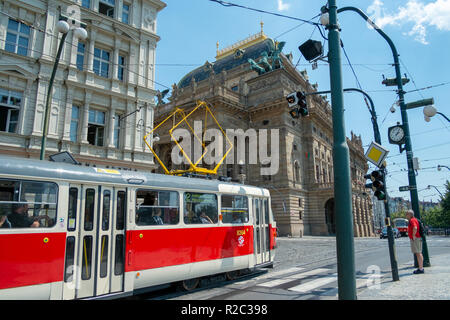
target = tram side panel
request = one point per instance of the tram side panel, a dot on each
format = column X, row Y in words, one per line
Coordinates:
column 164, row 254
column 31, row 248
column 161, row 248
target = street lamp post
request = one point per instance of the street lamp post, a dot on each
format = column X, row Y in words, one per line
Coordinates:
column 63, row 27
column 430, row 185
column 341, row 162
column 440, row 166
column 408, row 147
column 377, row 137
column 430, row 111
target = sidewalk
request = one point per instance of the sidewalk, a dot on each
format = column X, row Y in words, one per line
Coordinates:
column 434, row 284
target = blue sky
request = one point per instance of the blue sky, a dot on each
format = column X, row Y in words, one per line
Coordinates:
column 420, row 30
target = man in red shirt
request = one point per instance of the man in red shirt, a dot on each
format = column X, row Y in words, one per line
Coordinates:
column 415, row 239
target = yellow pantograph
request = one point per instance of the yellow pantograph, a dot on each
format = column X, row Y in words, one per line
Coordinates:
column 194, row 166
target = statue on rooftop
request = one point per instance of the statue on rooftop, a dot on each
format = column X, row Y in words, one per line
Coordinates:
column 275, row 54
column 256, row 67
column 264, row 61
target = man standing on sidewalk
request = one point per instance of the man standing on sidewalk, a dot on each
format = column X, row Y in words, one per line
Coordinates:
column 415, row 240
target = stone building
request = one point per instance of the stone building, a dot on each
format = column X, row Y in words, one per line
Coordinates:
column 103, row 93
column 247, row 86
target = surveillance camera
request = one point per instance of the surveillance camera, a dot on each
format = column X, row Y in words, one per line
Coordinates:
column 392, row 109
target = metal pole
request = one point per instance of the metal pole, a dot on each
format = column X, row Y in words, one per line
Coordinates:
column 49, row 96
column 408, row 147
column 341, row 162
column 430, row 185
column 377, row 136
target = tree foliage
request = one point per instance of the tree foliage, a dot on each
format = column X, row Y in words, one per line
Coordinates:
column 445, row 204
column 439, row 217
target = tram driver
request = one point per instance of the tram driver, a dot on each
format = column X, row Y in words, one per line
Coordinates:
column 145, row 212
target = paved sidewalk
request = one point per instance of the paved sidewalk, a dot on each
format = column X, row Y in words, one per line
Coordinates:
column 434, row 284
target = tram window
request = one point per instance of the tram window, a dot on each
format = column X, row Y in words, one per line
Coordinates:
column 106, row 209
column 25, row 204
column 119, row 255
column 104, row 257
column 200, row 208
column 266, row 211
column 121, row 209
column 72, row 212
column 70, row 259
column 256, row 203
column 155, row 207
column 234, row 209
column 87, row 258
column 89, row 208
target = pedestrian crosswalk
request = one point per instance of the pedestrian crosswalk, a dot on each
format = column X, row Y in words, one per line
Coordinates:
column 315, row 281
column 311, row 285
column 295, row 276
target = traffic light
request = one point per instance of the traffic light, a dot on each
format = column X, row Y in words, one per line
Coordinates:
column 377, row 184
column 294, row 113
column 302, row 103
column 297, row 101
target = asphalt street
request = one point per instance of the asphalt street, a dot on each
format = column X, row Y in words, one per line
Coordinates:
column 305, row 269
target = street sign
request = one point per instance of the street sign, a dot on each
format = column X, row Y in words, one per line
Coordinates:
column 403, row 188
column 376, row 154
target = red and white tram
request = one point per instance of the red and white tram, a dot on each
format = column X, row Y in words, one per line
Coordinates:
column 73, row 232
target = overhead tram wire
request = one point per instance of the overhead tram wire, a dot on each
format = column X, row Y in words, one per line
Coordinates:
column 354, row 74
column 292, row 29
column 229, row 4
column 412, row 79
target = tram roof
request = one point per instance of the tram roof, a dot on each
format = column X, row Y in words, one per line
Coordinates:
column 15, row 166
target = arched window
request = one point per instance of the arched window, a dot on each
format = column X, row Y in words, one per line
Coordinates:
column 296, row 172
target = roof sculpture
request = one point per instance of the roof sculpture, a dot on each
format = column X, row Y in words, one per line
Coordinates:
column 260, row 52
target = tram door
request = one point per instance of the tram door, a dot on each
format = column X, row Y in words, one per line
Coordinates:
column 261, row 234
column 96, row 231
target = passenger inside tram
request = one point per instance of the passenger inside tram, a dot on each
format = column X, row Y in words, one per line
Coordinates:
column 144, row 215
column 236, row 218
column 156, row 218
column 20, row 219
column 204, row 218
column 4, row 222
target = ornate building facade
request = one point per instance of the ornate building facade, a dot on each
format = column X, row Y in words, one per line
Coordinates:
column 103, row 93
column 247, row 86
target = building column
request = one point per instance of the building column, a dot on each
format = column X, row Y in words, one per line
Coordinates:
column 112, row 114
column 141, row 70
column 115, row 64
column 90, row 52
column 41, row 93
column 68, row 114
column 85, row 122
column 24, row 108
column 127, row 127
column 139, row 127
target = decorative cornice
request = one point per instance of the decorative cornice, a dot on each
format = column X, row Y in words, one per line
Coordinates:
column 248, row 42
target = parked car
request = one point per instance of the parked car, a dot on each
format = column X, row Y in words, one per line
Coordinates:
column 395, row 231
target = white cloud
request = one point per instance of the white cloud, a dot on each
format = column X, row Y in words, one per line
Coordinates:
column 283, row 6
column 421, row 15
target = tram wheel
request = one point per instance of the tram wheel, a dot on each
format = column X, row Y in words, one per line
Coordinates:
column 232, row 275
column 190, row 284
